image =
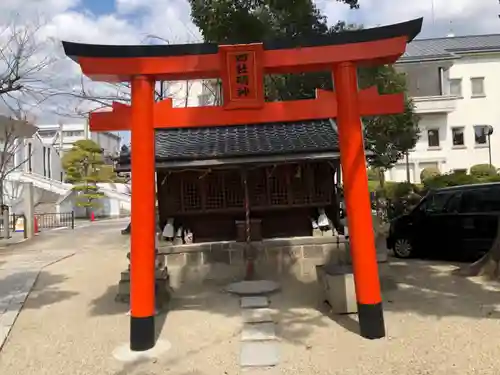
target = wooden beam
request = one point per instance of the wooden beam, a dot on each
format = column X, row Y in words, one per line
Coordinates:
column 324, row 106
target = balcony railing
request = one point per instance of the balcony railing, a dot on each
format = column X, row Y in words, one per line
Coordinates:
column 435, row 104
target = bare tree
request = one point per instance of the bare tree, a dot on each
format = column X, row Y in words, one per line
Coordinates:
column 91, row 96
column 25, row 67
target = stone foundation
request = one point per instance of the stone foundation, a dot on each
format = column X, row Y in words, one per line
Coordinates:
column 163, row 291
column 282, row 252
column 224, row 261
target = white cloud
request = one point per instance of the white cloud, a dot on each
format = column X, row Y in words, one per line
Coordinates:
column 440, row 16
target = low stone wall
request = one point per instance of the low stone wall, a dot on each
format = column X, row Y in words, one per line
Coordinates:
column 275, row 257
column 278, row 251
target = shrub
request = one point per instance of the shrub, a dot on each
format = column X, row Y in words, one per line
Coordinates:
column 450, row 179
column 429, row 173
column 495, row 178
column 397, row 190
column 483, row 170
column 372, row 174
column 373, row 186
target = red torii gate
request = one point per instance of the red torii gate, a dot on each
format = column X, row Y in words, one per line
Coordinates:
column 242, row 69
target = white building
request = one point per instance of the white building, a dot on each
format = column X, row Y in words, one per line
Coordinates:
column 455, row 83
column 51, row 135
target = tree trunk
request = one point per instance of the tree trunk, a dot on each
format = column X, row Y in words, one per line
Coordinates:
column 489, row 264
column 408, row 179
column 1, row 191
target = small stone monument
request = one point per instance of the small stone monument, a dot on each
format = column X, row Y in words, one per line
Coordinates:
column 163, row 291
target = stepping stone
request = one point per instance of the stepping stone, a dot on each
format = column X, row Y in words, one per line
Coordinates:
column 253, row 288
column 257, row 315
column 254, row 302
column 259, row 354
column 258, row 332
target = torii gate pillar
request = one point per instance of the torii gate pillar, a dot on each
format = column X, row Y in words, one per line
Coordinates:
column 361, row 236
column 142, row 252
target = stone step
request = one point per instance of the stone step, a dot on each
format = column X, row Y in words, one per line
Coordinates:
column 259, row 354
column 261, row 315
column 258, row 332
column 254, row 302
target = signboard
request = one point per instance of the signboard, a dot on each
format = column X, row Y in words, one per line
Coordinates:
column 242, row 76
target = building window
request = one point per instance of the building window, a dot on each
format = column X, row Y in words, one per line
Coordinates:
column 481, row 135
column 458, row 136
column 46, row 133
column 49, row 166
column 456, row 87
column 433, row 137
column 30, row 153
column 73, row 133
column 477, row 86
column 44, row 163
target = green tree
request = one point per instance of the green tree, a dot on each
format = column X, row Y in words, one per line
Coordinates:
column 82, row 165
column 246, row 21
column 389, row 137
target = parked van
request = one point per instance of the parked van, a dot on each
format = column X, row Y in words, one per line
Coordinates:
column 458, row 221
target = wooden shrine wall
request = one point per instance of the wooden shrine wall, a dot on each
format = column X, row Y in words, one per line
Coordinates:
column 284, row 197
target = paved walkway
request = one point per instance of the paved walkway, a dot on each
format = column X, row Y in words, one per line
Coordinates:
column 21, row 264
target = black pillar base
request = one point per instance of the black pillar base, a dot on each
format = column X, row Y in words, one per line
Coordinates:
column 142, row 333
column 371, row 320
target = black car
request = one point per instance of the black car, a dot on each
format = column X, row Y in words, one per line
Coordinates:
column 458, row 221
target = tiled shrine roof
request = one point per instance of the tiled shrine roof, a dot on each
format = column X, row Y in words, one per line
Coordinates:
column 262, row 140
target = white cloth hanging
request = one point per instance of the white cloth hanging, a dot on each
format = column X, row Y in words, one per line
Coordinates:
column 323, row 220
column 168, row 230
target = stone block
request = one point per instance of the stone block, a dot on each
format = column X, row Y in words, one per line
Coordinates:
column 259, row 354
column 217, row 246
column 273, row 253
column 159, row 274
column 237, row 246
column 254, row 302
column 217, row 256
column 124, row 288
column 257, row 315
column 258, row 331
column 313, row 252
column 176, row 259
column 237, row 256
column 293, row 252
column 194, row 258
column 338, row 287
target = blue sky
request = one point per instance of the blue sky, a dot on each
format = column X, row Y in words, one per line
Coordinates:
column 99, row 6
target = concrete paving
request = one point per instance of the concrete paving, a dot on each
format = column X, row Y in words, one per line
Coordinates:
column 70, row 323
column 21, row 263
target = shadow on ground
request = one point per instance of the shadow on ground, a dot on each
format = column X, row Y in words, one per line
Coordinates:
column 427, row 288
column 45, row 290
column 107, row 305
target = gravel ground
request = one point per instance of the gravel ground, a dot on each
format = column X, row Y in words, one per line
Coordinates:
column 437, row 324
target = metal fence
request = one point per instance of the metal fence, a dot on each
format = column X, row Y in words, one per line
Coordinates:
column 44, row 221
column 55, row 220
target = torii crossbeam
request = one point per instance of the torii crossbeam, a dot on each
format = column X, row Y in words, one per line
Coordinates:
column 242, row 69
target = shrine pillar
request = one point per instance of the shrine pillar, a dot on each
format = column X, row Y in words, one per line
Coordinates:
column 357, row 199
column 142, row 252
